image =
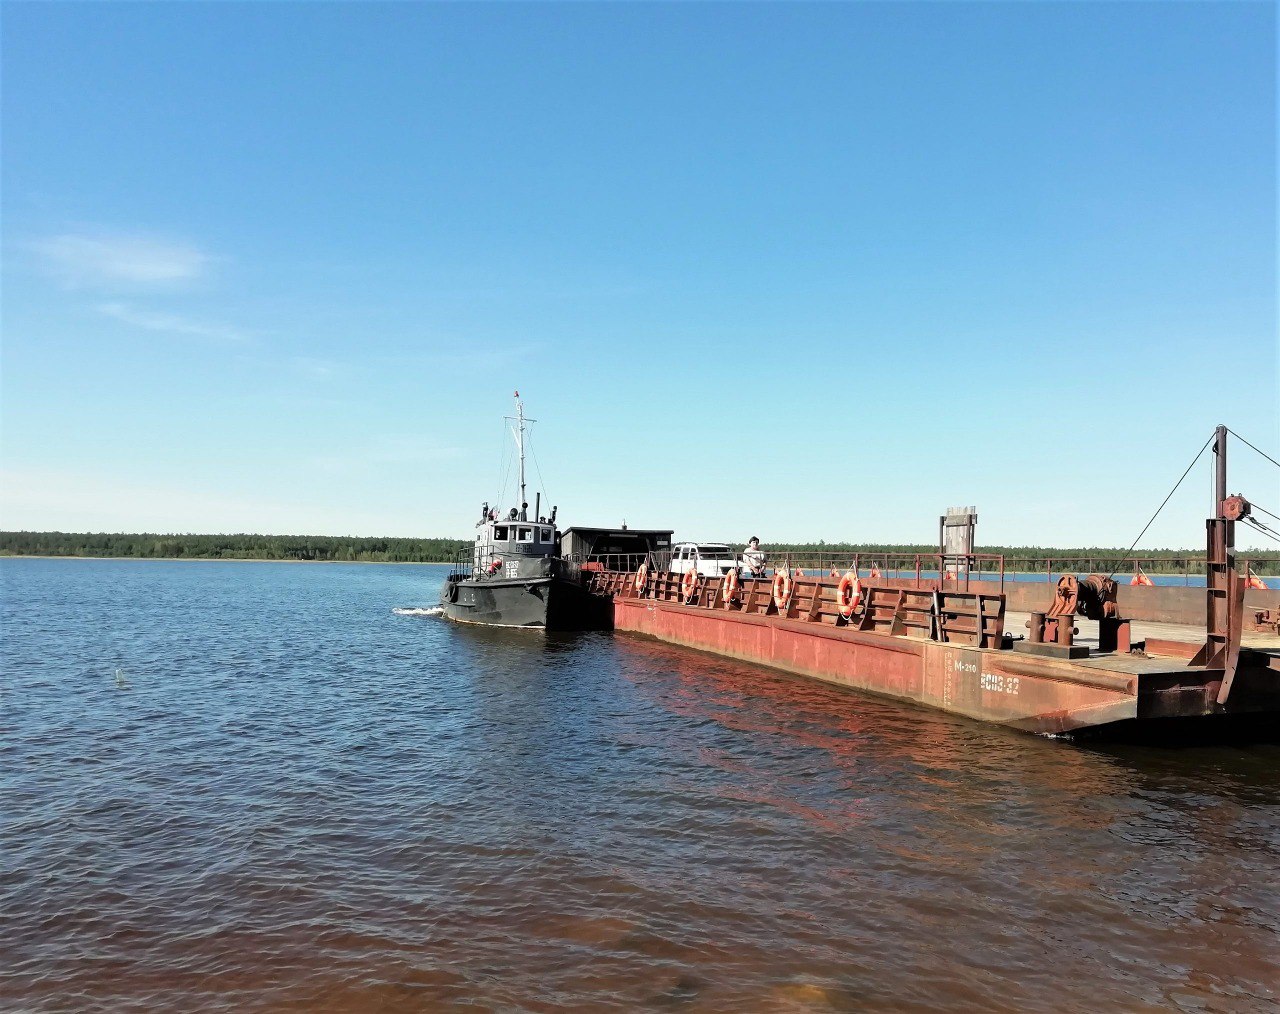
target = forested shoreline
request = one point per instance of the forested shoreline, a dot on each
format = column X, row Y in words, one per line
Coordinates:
column 309, row 548
column 345, row 549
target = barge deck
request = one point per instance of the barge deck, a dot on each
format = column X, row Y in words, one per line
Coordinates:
column 1092, row 657
column 1031, row 692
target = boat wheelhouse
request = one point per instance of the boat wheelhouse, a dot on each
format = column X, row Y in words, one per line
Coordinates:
column 514, row 548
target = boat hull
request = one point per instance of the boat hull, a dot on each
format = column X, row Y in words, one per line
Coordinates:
column 545, row 603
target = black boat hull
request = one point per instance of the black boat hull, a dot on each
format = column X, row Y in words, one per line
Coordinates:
column 548, row 603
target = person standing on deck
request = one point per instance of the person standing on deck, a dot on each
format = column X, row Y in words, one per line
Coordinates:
column 753, row 559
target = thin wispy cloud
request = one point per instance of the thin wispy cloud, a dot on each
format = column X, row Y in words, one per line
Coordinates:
column 104, row 259
column 409, row 449
column 477, row 356
column 171, row 323
column 48, row 499
column 489, row 358
column 386, row 451
column 314, row 369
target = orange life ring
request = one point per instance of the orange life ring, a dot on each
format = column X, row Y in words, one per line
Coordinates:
column 782, row 589
column 689, row 584
column 495, row 566
column 875, row 573
column 729, row 588
column 1141, row 580
column 849, row 594
column 642, row 579
column 1257, row 583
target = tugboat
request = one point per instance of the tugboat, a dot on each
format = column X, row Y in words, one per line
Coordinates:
column 515, row 575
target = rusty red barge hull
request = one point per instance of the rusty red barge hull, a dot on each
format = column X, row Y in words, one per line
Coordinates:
column 942, row 643
column 934, row 666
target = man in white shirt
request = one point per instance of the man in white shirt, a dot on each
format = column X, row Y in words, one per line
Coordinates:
column 753, row 559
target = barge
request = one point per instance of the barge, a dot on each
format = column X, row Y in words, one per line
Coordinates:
column 1094, row 656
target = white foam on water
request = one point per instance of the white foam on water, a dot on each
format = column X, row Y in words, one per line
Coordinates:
column 418, row 610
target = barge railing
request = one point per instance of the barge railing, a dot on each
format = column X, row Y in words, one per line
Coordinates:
column 1053, row 567
column 972, row 619
column 925, row 569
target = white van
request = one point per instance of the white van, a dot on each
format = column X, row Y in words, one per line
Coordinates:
column 714, row 559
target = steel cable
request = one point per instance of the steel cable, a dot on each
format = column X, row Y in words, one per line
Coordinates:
column 1166, row 500
column 1262, row 529
column 1249, row 445
column 1254, row 523
column 505, row 462
column 542, row 483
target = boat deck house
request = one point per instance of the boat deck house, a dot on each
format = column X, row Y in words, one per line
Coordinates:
column 594, row 544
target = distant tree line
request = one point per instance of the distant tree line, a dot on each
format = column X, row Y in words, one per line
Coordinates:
column 231, row 547
column 1155, row 561
column 346, row 549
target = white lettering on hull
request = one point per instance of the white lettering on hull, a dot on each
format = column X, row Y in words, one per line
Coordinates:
column 994, row 681
column 999, row 683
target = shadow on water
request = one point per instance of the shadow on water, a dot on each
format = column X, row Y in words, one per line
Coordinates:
column 535, row 639
column 1185, row 733
column 852, row 726
column 1233, row 759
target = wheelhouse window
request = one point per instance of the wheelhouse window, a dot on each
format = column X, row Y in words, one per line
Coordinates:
column 548, row 534
column 500, row 533
column 525, row 535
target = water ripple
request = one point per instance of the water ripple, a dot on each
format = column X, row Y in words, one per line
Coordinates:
column 306, row 797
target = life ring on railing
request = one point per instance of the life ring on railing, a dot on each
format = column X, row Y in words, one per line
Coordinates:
column 729, row 588
column 875, row 573
column 1141, row 580
column 689, row 584
column 782, row 589
column 1257, row 583
column 849, row 594
column 642, row 579
column 495, row 566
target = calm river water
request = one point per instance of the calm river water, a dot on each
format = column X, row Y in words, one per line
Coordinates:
column 293, row 798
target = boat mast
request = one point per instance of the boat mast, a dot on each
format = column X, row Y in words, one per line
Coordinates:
column 518, row 432
column 520, row 442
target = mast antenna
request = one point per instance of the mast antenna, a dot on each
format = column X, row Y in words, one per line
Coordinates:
column 518, row 432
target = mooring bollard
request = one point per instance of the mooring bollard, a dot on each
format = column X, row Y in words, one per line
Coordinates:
column 1035, row 628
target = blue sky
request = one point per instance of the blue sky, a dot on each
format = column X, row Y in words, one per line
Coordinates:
column 807, row 272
